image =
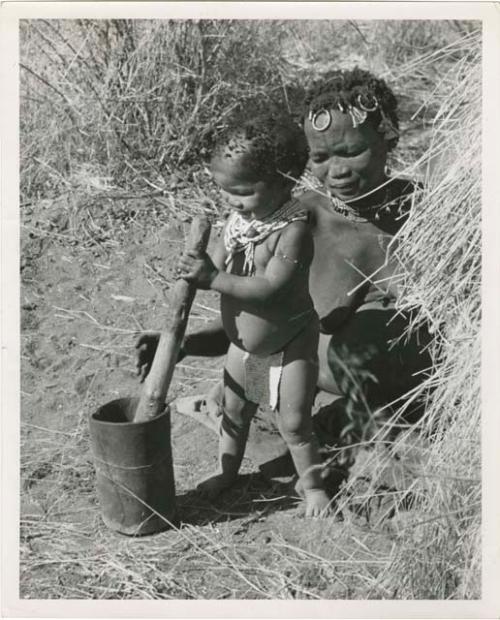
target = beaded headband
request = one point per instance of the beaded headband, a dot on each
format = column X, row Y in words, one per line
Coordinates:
column 321, row 119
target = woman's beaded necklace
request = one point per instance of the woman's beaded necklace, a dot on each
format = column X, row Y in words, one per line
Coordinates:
column 344, row 209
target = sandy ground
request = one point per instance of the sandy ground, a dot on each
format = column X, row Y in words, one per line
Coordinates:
column 87, row 292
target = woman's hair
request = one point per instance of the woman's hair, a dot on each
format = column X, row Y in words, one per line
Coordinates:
column 272, row 142
column 344, row 88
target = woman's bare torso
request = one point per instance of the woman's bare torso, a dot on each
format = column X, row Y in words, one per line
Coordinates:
column 350, row 266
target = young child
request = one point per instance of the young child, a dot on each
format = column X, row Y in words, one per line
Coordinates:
column 351, row 126
column 261, row 268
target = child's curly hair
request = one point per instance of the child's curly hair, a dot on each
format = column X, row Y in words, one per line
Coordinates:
column 272, row 140
column 346, row 88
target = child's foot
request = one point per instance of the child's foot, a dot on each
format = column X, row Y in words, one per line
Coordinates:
column 318, row 504
column 215, row 485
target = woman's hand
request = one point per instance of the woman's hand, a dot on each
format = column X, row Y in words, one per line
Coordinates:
column 146, row 346
column 198, row 269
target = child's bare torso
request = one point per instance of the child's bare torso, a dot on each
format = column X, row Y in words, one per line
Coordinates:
column 263, row 328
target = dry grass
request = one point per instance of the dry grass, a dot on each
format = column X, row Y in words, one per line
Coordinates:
column 437, row 554
column 442, row 244
column 129, row 102
column 115, row 118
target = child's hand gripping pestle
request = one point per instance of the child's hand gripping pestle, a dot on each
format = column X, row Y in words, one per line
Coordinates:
column 152, row 400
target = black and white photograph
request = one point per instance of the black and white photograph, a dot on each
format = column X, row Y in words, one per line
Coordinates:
column 250, row 312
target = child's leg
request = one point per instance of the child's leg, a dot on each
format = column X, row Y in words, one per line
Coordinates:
column 297, row 388
column 233, row 433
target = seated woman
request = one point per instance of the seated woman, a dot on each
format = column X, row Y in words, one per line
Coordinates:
column 351, row 125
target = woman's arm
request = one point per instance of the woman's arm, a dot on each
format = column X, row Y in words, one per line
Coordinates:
column 208, row 342
column 211, row 341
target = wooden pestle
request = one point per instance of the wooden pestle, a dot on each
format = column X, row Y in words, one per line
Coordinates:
column 152, row 400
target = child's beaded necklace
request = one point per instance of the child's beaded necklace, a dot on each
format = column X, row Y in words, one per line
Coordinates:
column 243, row 234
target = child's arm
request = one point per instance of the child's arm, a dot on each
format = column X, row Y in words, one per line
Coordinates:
column 202, row 269
column 212, row 340
column 209, row 342
column 293, row 252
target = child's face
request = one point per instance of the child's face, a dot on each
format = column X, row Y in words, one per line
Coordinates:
column 245, row 191
column 348, row 161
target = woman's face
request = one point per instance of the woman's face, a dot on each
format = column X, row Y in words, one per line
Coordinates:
column 348, row 161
